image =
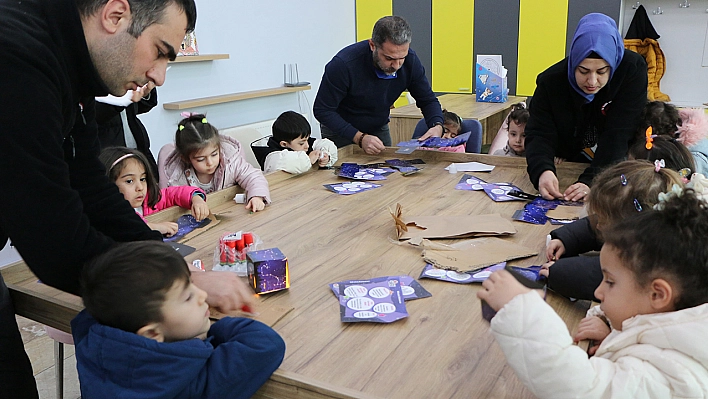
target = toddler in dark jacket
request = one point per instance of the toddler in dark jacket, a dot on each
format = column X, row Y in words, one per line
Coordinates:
column 146, row 333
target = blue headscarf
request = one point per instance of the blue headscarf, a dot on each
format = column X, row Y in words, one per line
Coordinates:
column 596, row 32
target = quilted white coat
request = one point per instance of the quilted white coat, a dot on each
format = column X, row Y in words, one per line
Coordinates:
column 661, row 355
column 297, row 162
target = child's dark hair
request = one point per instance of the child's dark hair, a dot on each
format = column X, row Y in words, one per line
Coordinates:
column 671, row 244
column 193, row 134
column 114, row 159
column 615, row 189
column 125, row 287
column 675, row 155
column 519, row 114
column 290, row 126
column 451, row 117
column 663, row 118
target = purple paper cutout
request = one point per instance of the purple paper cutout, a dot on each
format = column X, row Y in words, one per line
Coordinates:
column 186, row 224
column 437, row 142
column 352, row 187
column 497, row 191
column 471, row 183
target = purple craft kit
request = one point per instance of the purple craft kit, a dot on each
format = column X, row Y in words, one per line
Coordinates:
column 410, row 288
column 363, row 172
column 479, row 275
column 498, row 191
column 374, row 302
column 471, row 183
column 352, row 187
column 405, row 167
column 268, row 270
column 437, row 142
column 185, row 225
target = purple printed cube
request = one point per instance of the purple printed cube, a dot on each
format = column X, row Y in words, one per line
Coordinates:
column 268, row 270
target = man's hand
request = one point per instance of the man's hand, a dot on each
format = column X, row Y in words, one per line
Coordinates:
column 371, row 144
column 548, row 185
column 435, row 131
column 226, row 292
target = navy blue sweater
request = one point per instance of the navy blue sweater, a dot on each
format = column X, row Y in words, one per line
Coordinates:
column 353, row 98
column 238, row 357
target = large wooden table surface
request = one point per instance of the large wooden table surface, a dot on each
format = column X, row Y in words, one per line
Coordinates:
column 490, row 115
column 442, row 350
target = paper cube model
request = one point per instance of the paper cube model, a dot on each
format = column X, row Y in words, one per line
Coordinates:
column 268, row 270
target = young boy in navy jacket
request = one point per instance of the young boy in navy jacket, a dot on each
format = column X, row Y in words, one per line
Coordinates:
column 146, row 333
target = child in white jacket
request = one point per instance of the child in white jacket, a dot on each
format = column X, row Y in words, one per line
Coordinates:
column 650, row 326
column 291, row 149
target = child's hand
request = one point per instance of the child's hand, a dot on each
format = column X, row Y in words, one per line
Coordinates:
column 592, row 328
column 314, row 156
column 200, row 209
column 324, row 160
column 555, row 250
column 545, row 268
column 256, row 204
column 500, row 288
column 165, row 228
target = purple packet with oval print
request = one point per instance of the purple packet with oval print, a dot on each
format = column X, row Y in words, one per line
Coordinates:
column 498, row 192
column 409, row 286
column 373, row 302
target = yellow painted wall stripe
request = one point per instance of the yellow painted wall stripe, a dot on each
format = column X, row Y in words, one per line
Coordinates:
column 367, row 13
column 453, row 30
column 542, row 39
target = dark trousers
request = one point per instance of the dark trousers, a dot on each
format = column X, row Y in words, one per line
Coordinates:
column 16, row 378
column 384, row 134
column 576, row 277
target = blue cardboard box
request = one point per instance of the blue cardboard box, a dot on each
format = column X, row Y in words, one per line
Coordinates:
column 268, row 270
column 489, row 87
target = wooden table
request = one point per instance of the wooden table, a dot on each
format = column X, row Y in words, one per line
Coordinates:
column 490, row 115
column 442, row 350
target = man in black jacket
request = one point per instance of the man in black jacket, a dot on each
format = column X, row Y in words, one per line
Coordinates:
column 60, row 209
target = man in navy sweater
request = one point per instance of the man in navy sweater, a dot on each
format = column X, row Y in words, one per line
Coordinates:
column 363, row 80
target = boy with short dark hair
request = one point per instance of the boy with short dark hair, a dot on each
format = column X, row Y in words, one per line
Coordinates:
column 291, row 149
column 146, row 332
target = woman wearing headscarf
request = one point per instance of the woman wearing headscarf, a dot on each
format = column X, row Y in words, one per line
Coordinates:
column 585, row 108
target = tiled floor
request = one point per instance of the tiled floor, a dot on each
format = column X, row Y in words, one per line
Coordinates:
column 40, row 349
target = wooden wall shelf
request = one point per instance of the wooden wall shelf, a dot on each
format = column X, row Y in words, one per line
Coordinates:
column 225, row 98
column 202, row 57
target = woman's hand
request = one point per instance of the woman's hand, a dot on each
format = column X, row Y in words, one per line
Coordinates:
column 548, row 185
column 576, row 192
column 555, row 250
column 256, row 204
column 200, row 209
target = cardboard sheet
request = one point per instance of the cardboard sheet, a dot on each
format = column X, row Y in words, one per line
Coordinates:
column 449, row 226
column 477, row 253
column 214, row 221
column 564, row 212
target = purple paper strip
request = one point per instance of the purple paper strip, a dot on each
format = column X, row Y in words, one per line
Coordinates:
column 353, row 187
column 471, row 183
column 409, row 286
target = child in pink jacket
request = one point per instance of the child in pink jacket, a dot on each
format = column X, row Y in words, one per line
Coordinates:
column 203, row 158
column 129, row 169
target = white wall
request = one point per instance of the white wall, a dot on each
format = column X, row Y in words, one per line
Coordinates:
column 683, row 36
column 260, row 36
